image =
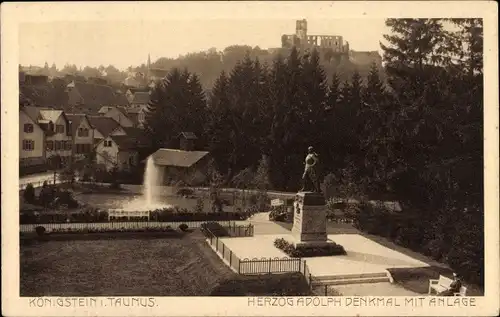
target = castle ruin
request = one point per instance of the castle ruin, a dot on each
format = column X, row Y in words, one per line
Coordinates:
column 331, row 47
column 303, row 41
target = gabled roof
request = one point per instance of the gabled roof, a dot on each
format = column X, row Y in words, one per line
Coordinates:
column 32, row 112
column 105, row 125
column 140, row 98
column 178, row 158
column 138, row 136
column 124, row 142
column 51, row 114
column 136, row 108
column 75, row 119
column 188, row 135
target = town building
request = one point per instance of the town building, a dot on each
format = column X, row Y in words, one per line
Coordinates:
column 118, row 114
column 31, row 141
column 58, row 138
column 184, row 165
column 117, row 151
column 83, row 135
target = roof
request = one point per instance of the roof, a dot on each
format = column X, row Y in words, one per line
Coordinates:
column 179, row 158
column 51, row 114
column 75, row 119
column 32, row 112
column 140, row 97
column 188, row 135
column 105, row 125
column 138, row 89
column 95, row 96
column 124, row 142
column 136, row 108
column 138, row 136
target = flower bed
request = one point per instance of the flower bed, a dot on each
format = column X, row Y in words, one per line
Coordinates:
column 301, row 252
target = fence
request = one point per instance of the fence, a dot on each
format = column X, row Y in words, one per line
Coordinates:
column 80, row 226
column 257, row 266
column 40, row 183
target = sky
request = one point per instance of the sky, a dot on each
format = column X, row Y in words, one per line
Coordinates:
column 128, row 42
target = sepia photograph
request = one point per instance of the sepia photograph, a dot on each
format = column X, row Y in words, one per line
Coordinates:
column 269, row 158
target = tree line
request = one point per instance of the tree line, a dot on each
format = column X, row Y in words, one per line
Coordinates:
column 415, row 135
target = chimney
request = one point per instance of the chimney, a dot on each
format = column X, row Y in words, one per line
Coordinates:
column 187, row 141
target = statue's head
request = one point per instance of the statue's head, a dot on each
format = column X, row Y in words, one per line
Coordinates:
column 310, row 149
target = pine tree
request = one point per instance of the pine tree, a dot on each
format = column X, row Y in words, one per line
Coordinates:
column 220, row 124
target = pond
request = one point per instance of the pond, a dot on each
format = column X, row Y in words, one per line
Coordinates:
column 127, row 201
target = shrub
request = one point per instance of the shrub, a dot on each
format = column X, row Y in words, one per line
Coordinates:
column 29, row 194
column 294, row 252
column 40, row 230
column 66, row 198
column 199, row 206
column 278, row 214
column 183, row 227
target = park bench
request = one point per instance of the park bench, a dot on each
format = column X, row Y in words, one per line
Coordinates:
column 442, row 284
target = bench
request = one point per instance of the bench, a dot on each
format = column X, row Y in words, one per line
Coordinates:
column 442, row 284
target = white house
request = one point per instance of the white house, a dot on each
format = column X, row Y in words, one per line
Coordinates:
column 117, row 151
column 83, row 135
column 58, row 141
column 31, row 140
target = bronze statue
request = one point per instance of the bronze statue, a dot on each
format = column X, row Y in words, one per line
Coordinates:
column 310, row 178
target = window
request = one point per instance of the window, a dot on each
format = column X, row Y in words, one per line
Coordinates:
column 28, row 128
column 50, row 145
column 108, row 143
column 28, row 145
column 83, row 132
column 60, row 128
column 67, row 145
column 58, row 145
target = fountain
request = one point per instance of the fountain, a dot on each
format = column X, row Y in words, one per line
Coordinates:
column 150, row 195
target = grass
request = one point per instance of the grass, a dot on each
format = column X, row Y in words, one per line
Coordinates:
column 140, row 267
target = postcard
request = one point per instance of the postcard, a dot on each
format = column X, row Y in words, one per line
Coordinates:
column 250, row 158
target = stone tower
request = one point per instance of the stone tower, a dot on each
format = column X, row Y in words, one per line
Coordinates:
column 301, row 31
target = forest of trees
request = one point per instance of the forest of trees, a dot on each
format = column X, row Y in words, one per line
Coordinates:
column 416, row 135
column 207, row 64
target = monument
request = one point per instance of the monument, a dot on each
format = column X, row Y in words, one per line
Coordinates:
column 309, row 220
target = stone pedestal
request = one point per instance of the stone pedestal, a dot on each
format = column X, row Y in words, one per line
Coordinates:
column 309, row 220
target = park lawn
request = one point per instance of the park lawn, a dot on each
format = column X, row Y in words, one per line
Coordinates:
column 140, row 267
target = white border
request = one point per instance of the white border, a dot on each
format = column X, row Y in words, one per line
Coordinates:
column 14, row 13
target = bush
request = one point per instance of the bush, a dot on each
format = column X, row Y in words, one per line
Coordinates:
column 66, row 198
column 40, row 230
column 183, row 227
column 292, row 251
column 278, row 214
column 29, row 194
